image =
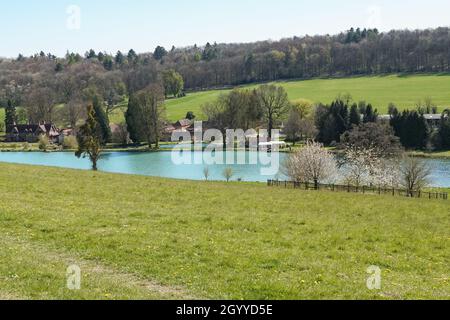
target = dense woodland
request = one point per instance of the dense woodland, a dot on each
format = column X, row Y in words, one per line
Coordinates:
column 354, row 52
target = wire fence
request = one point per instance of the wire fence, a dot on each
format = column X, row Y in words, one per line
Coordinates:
column 355, row 189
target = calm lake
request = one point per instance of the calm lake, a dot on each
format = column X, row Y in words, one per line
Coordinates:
column 160, row 164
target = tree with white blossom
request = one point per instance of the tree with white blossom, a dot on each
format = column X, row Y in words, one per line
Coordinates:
column 369, row 165
column 313, row 163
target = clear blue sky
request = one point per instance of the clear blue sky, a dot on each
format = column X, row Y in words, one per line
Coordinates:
column 110, row 25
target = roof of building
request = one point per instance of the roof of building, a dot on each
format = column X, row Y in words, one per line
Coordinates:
column 429, row 117
column 45, row 128
column 184, row 123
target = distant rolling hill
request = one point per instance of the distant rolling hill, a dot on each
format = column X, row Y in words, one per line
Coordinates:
column 404, row 91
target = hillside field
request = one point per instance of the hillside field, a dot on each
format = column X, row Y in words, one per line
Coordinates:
column 150, row 238
column 404, row 91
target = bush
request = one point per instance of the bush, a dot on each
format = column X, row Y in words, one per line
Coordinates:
column 43, row 143
column 26, row 146
column 70, row 143
column 228, row 173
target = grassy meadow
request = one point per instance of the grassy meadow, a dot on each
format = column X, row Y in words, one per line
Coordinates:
column 150, row 238
column 404, row 91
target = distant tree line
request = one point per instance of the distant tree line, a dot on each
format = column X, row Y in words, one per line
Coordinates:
column 47, row 80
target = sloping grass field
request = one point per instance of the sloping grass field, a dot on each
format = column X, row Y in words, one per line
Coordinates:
column 150, row 238
column 404, row 91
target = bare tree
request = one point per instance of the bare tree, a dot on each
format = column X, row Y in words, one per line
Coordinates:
column 40, row 105
column 313, row 163
column 206, row 173
column 73, row 112
column 120, row 134
column 274, row 102
column 228, row 173
column 292, row 128
column 308, row 129
column 415, row 174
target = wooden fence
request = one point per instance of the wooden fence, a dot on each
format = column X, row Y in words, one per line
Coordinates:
column 354, row 189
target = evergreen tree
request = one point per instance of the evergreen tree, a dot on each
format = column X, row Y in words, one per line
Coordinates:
column 355, row 116
column 444, row 130
column 101, row 56
column 411, row 128
column 132, row 56
column 10, row 116
column 370, row 114
column 160, row 52
column 146, row 114
column 90, row 138
column 339, row 110
column 59, row 67
column 91, row 54
column 119, row 58
column 102, row 119
column 190, row 115
column 210, row 52
column 134, row 120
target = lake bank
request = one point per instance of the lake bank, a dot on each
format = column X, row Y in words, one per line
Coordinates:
column 161, row 164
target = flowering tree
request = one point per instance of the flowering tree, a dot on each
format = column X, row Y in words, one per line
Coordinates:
column 358, row 163
column 313, row 163
column 369, row 166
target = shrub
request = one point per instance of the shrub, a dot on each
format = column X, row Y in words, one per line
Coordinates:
column 70, row 143
column 206, row 173
column 43, row 142
column 228, row 173
column 26, row 146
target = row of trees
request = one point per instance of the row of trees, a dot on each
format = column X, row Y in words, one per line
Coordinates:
column 45, row 94
column 268, row 106
column 361, row 165
column 245, row 109
column 335, row 119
